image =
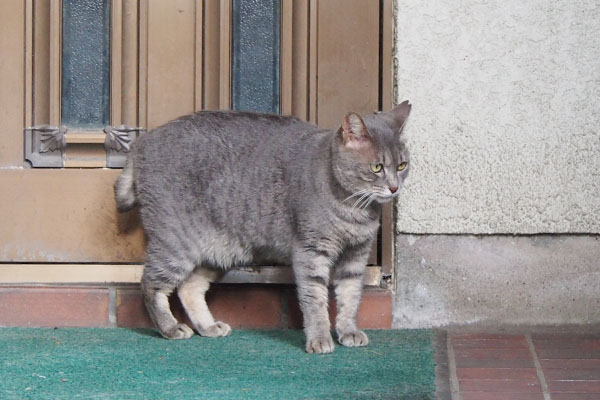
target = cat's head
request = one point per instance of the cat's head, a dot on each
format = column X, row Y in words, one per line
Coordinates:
column 371, row 159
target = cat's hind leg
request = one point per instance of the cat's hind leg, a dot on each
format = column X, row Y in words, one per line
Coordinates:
column 156, row 298
column 163, row 273
column 192, row 294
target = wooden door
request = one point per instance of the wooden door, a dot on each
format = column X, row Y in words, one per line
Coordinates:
column 166, row 58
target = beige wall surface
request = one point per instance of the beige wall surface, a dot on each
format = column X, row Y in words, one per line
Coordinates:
column 505, row 129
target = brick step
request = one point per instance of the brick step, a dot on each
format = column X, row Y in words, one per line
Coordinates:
column 241, row 306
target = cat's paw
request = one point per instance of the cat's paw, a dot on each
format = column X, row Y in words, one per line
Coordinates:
column 179, row 331
column 320, row 345
column 216, row 330
column 353, row 339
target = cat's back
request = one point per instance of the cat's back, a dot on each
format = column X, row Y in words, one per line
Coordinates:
column 223, row 134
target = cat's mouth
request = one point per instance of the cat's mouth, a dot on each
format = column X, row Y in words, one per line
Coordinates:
column 384, row 198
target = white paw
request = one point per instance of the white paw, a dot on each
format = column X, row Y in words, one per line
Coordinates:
column 216, row 330
column 320, row 345
column 179, row 331
column 353, row 339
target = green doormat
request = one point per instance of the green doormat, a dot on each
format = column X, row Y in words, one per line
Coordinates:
column 138, row 364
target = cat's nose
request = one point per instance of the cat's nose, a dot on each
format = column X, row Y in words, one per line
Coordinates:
column 393, row 189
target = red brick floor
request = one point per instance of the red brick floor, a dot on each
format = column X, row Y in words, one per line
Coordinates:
column 556, row 366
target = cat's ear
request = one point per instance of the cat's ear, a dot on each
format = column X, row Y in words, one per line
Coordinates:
column 399, row 116
column 354, row 131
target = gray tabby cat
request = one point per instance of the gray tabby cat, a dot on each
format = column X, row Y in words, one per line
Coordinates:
column 220, row 189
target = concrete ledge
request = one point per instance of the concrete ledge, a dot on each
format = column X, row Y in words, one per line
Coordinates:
column 447, row 280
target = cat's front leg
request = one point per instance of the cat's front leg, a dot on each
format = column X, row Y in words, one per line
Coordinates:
column 311, row 269
column 348, row 279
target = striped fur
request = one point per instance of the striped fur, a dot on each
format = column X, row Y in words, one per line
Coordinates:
column 220, row 189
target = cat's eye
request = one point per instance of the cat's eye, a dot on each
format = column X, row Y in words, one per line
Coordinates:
column 402, row 166
column 377, row 168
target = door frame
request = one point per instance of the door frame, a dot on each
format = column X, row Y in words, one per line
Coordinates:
column 129, row 48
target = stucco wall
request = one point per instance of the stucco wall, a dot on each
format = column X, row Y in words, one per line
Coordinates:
column 504, row 133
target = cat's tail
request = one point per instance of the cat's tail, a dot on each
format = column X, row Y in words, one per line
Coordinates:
column 124, row 191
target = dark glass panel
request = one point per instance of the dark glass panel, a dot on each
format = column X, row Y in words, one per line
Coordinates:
column 256, row 36
column 85, row 99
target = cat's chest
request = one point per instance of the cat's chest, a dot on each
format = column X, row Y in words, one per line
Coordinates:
column 351, row 231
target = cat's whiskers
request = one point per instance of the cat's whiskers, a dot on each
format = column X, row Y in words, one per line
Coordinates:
column 360, row 199
column 371, row 199
column 367, row 201
column 355, row 194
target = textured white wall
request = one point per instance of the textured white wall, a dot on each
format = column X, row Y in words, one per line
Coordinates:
column 505, row 129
